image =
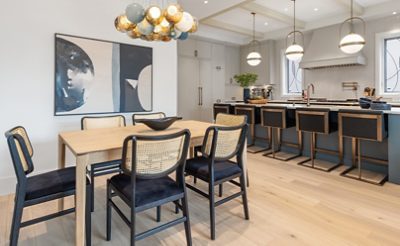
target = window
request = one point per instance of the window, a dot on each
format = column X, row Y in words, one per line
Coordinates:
column 392, row 65
column 388, row 63
column 292, row 82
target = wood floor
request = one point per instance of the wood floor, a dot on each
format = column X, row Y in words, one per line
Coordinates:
column 289, row 205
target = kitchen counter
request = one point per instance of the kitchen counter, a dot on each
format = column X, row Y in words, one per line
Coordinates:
column 333, row 106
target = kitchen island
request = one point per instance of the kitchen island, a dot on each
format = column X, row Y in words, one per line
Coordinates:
column 386, row 150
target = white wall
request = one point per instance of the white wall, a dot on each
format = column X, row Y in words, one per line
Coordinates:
column 27, row 70
column 328, row 81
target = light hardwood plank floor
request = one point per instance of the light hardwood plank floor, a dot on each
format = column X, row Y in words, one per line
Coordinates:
column 289, row 205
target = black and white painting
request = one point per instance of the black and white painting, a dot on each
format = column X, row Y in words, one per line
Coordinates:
column 93, row 76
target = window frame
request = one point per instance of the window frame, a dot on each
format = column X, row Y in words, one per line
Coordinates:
column 380, row 71
column 285, row 76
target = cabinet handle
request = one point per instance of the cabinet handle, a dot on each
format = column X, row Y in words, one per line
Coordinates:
column 199, row 91
column 201, row 96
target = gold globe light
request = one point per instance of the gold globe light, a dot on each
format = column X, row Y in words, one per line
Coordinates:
column 122, row 24
column 165, row 38
column 195, row 26
column 134, row 33
column 153, row 15
column 173, row 13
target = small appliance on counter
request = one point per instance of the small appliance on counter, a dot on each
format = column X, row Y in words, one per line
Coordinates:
column 260, row 94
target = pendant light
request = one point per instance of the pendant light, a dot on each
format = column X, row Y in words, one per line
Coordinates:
column 352, row 42
column 254, row 57
column 294, row 52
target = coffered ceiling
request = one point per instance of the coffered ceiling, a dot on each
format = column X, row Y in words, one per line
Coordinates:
column 231, row 20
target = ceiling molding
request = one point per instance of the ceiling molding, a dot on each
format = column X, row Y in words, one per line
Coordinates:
column 358, row 9
column 261, row 10
column 231, row 28
column 226, row 10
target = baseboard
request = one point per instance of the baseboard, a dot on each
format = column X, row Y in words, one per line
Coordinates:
column 7, row 184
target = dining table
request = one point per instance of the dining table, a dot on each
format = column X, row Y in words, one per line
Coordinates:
column 105, row 144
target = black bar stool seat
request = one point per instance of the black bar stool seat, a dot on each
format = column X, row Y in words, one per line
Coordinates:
column 278, row 118
column 253, row 118
column 316, row 121
column 367, row 126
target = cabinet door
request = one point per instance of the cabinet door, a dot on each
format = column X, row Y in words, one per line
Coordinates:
column 206, row 90
column 188, row 88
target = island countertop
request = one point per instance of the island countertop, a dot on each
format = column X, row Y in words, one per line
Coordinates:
column 331, row 106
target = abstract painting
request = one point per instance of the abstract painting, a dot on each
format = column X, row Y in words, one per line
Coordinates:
column 94, row 76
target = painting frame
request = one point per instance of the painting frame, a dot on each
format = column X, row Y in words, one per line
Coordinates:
column 133, row 46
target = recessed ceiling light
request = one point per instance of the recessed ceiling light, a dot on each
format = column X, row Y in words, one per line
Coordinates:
column 286, row 9
column 266, row 23
column 316, row 9
column 394, row 13
column 205, row 2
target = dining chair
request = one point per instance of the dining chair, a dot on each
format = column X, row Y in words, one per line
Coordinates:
column 107, row 167
column 40, row 188
column 158, row 115
column 215, row 165
column 225, row 120
column 147, row 162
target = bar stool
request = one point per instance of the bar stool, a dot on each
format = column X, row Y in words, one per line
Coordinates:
column 363, row 125
column 278, row 118
column 253, row 118
column 317, row 121
column 221, row 108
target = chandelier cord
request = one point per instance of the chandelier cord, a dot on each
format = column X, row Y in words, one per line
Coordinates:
column 294, row 22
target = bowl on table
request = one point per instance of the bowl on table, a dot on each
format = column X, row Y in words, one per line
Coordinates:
column 365, row 103
column 159, row 124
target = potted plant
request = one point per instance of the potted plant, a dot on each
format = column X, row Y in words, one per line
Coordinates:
column 245, row 80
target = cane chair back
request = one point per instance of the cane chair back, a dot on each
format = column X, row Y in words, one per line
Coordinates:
column 21, row 149
column 223, row 143
column 230, row 119
column 88, row 123
column 158, row 115
column 154, row 156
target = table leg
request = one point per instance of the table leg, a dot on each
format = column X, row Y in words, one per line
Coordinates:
column 80, row 198
column 61, row 165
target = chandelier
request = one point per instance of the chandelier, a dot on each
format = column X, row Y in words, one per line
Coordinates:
column 155, row 23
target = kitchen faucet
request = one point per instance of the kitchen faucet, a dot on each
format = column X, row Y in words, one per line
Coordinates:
column 308, row 93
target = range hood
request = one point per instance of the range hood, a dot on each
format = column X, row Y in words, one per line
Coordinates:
column 323, row 51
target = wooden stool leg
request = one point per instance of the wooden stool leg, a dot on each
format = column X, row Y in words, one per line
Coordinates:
column 359, row 158
column 312, row 149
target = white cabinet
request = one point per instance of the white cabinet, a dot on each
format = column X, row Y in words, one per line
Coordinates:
column 204, row 69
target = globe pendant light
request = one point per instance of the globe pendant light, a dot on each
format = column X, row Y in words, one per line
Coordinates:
column 294, row 52
column 254, row 57
column 352, row 42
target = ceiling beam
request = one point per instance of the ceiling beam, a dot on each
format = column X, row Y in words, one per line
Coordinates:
column 358, row 9
column 261, row 10
column 231, row 28
column 226, row 10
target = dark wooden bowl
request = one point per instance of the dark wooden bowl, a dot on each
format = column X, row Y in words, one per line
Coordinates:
column 159, row 124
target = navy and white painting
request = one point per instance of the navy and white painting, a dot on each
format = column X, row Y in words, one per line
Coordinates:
column 95, row 76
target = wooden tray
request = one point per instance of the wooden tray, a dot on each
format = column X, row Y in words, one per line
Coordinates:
column 258, row 101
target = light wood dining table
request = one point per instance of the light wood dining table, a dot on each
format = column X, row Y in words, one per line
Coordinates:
column 99, row 145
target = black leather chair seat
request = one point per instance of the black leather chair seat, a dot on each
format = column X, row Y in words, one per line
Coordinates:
column 198, row 167
column 49, row 183
column 147, row 190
